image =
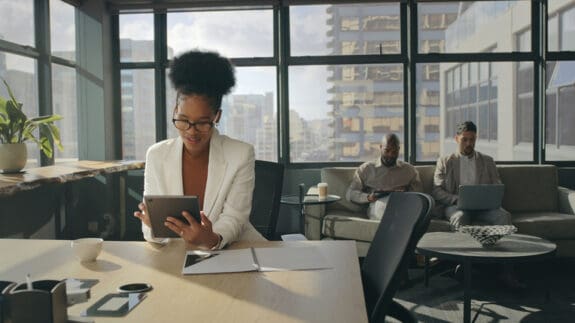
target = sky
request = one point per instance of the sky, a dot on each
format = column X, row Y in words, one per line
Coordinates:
column 249, row 33
column 17, row 25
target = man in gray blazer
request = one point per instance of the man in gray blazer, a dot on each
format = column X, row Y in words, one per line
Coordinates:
column 467, row 166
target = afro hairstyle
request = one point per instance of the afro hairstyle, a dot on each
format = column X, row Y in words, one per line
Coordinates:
column 202, row 73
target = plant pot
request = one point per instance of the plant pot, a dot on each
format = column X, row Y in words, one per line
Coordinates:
column 12, row 157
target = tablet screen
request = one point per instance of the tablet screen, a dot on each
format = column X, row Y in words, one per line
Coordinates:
column 161, row 206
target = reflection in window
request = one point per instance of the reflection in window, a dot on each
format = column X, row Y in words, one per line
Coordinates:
column 136, row 37
column 431, row 72
column 382, row 47
column 466, row 97
column 349, row 23
column 381, row 23
column 524, row 93
column 568, row 30
column 385, row 73
column 249, row 112
column 553, row 33
column 351, row 124
column 560, row 139
column 470, row 25
column 432, row 46
column 62, row 30
column 349, row 48
column 340, row 30
column 339, row 119
column 138, row 113
column 437, row 20
column 64, row 103
column 351, row 150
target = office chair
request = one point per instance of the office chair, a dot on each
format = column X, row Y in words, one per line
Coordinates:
column 404, row 222
column 266, row 198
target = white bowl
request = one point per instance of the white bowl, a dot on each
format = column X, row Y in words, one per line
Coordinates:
column 488, row 235
column 87, row 249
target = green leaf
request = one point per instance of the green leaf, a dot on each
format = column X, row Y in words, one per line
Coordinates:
column 15, row 127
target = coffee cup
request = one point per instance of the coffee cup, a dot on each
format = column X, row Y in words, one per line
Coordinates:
column 87, row 249
column 322, row 191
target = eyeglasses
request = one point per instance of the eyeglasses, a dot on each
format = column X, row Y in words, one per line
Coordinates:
column 200, row 126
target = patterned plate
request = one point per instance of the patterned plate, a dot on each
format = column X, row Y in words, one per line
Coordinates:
column 488, row 235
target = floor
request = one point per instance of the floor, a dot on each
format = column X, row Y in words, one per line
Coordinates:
column 549, row 296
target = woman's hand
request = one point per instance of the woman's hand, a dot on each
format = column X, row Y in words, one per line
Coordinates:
column 143, row 215
column 197, row 234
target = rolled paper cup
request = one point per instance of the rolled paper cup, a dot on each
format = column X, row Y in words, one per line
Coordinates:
column 322, row 191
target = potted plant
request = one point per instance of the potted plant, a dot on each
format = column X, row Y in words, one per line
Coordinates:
column 16, row 129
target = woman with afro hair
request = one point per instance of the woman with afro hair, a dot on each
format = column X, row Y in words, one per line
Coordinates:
column 201, row 161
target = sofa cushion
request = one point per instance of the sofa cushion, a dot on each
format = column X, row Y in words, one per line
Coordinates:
column 548, row 225
column 529, row 188
column 338, row 179
column 347, row 226
column 426, row 175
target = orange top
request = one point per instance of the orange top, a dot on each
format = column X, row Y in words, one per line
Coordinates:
column 195, row 175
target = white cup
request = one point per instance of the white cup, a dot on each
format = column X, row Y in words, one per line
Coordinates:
column 87, row 249
column 321, row 191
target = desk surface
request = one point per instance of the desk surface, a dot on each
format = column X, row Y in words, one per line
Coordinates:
column 459, row 246
column 330, row 295
column 31, row 178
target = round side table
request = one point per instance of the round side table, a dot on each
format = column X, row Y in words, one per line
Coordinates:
column 310, row 199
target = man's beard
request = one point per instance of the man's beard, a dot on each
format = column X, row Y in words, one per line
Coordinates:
column 468, row 151
column 389, row 161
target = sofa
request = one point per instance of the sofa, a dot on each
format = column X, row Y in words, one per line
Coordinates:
column 538, row 207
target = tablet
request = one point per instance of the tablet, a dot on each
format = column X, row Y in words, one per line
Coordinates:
column 162, row 206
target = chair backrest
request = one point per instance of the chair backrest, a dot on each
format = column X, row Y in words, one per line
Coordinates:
column 404, row 222
column 266, row 198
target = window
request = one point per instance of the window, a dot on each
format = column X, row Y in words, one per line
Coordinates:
column 470, row 26
column 137, row 38
column 17, row 23
column 344, row 75
column 232, row 33
column 62, row 30
column 315, row 29
column 435, row 21
column 349, row 23
column 568, row 30
column 432, row 46
column 329, row 114
column 20, row 73
column 560, row 138
column 381, row 23
column 65, row 104
column 138, row 113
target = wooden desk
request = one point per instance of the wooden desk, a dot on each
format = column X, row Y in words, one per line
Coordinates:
column 31, row 178
column 50, row 188
column 330, row 295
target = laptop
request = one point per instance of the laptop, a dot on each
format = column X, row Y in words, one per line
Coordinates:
column 480, row 196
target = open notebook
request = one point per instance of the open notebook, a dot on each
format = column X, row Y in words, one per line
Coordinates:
column 254, row 259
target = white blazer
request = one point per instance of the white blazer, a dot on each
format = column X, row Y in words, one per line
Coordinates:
column 229, row 187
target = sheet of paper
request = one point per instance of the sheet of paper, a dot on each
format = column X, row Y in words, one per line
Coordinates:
column 219, row 261
column 291, row 258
